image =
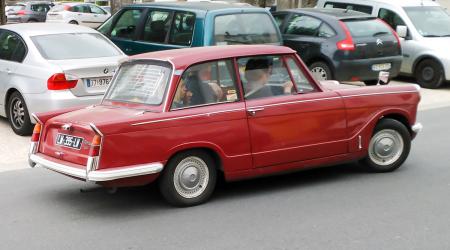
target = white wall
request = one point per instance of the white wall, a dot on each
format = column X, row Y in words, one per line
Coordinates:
column 445, row 3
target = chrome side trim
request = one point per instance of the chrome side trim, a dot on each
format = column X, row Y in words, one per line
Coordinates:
column 36, row 118
column 380, row 93
column 92, row 125
column 293, row 102
column 416, row 128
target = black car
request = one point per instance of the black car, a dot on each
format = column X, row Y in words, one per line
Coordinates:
column 340, row 44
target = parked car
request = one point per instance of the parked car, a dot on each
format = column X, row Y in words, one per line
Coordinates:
column 45, row 67
column 340, row 44
column 29, row 12
column 182, row 116
column 425, row 29
column 85, row 14
column 160, row 26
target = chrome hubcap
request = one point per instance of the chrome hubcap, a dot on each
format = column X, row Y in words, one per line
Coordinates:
column 319, row 73
column 17, row 113
column 191, row 177
column 386, row 147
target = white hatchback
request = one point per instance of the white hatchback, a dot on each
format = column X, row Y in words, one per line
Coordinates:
column 45, row 67
column 85, row 14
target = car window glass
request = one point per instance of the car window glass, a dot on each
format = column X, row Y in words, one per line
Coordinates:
column 40, row 7
column 11, row 47
column 206, row 83
column 390, row 18
column 326, row 31
column 246, row 28
column 81, row 9
column 157, row 26
column 279, row 18
column 182, row 28
column 125, row 27
column 303, row 25
column 367, row 28
column 264, row 76
column 302, row 83
column 355, row 7
column 97, row 10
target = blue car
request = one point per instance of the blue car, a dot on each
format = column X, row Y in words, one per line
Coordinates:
column 160, row 26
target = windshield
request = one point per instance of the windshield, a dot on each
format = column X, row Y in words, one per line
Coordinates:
column 430, row 21
column 74, row 46
column 143, row 83
column 248, row 28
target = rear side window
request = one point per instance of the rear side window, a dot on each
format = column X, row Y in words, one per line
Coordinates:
column 390, row 18
column 367, row 28
column 126, row 26
column 245, row 28
column 97, row 10
column 182, row 28
column 347, row 6
column 81, row 9
column 279, row 18
column 326, row 31
column 12, row 47
column 157, row 26
column 303, row 25
column 40, row 7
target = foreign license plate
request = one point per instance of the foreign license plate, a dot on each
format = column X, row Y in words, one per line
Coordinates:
column 98, row 82
column 381, row 66
column 69, row 141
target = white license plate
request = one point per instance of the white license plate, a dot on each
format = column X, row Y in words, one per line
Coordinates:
column 98, row 82
column 381, row 66
column 69, row 141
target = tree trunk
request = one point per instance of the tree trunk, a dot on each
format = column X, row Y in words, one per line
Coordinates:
column 2, row 12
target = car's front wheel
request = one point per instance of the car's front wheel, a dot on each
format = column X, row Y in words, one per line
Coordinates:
column 389, row 146
column 430, row 74
column 18, row 115
column 188, row 179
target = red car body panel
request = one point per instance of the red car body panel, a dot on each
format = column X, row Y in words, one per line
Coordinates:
column 287, row 133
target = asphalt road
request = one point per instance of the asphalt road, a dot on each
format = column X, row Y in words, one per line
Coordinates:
column 332, row 208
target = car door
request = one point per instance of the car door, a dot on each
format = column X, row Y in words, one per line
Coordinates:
column 302, row 34
column 12, row 53
column 96, row 16
column 290, row 125
column 124, row 29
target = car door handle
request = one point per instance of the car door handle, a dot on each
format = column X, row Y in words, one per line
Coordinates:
column 253, row 112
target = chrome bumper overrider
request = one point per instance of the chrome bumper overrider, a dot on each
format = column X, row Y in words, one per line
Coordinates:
column 98, row 175
column 416, row 128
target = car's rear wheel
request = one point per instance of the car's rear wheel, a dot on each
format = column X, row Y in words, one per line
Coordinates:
column 18, row 115
column 188, row 179
column 321, row 71
column 73, row 22
column 389, row 146
column 371, row 82
column 430, row 74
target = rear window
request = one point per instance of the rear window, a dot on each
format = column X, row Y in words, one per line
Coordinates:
column 74, row 46
column 143, row 83
column 367, row 28
column 247, row 28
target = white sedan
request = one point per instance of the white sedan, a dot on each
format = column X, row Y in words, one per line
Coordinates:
column 46, row 67
column 85, row 14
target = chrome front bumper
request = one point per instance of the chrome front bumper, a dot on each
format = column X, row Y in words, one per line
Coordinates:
column 416, row 128
column 97, row 175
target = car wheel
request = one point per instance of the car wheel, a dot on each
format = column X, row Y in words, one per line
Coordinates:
column 389, row 146
column 321, row 71
column 371, row 82
column 73, row 22
column 188, row 179
column 32, row 21
column 429, row 74
column 18, row 116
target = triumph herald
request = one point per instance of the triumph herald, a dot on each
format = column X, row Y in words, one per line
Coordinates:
column 179, row 117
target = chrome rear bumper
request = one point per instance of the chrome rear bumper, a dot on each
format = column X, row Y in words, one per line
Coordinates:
column 98, row 175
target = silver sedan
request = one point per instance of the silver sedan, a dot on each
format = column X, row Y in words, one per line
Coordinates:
column 45, row 67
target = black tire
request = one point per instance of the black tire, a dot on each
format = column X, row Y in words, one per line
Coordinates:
column 18, row 115
column 386, row 131
column 73, row 22
column 32, row 21
column 176, row 192
column 371, row 82
column 321, row 71
column 430, row 74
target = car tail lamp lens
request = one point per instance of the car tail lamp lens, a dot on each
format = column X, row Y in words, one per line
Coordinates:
column 61, row 81
column 67, row 8
column 95, row 146
column 346, row 44
column 36, row 132
column 21, row 12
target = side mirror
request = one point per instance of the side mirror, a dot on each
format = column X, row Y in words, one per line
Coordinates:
column 402, row 31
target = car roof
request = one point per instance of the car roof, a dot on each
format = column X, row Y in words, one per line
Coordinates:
column 182, row 58
column 35, row 29
column 402, row 3
column 332, row 12
column 199, row 6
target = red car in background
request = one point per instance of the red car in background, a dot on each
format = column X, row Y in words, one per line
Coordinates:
column 181, row 116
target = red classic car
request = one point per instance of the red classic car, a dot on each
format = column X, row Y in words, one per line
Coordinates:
column 181, row 116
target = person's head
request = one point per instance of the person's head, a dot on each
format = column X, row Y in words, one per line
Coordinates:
column 204, row 72
column 257, row 70
column 183, row 94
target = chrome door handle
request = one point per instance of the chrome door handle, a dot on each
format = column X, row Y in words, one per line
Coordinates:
column 252, row 112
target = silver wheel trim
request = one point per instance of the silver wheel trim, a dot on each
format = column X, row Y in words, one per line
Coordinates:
column 386, row 147
column 17, row 113
column 191, row 177
column 319, row 73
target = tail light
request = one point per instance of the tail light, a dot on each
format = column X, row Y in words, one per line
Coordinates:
column 95, row 146
column 36, row 132
column 67, row 8
column 393, row 32
column 22, row 12
column 346, row 44
column 61, row 81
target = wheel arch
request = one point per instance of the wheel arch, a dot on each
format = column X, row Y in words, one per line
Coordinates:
column 324, row 59
column 398, row 117
column 212, row 150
